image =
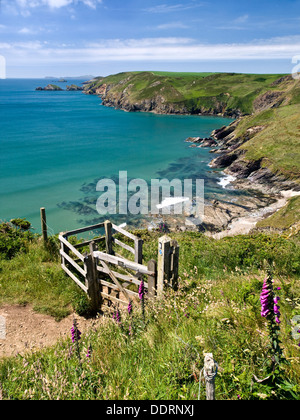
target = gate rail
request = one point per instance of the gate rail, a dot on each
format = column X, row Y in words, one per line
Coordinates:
column 103, row 274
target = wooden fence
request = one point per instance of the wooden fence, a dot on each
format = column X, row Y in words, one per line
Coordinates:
column 110, row 278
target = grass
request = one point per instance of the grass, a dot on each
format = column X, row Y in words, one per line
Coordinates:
column 162, row 359
column 284, row 218
column 182, row 74
column 216, row 309
column 33, row 276
column 279, row 143
column 198, row 92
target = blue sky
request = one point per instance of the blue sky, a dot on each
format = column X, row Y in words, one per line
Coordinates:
column 100, row 37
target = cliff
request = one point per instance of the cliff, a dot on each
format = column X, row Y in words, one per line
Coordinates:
column 261, row 148
column 227, row 94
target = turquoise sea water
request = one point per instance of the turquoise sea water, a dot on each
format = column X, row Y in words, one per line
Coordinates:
column 55, row 146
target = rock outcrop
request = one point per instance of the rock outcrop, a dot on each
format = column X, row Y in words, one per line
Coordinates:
column 74, row 88
column 50, row 87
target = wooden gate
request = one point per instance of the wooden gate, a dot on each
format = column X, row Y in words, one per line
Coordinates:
column 110, row 278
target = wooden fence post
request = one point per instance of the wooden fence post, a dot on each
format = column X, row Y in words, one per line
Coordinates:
column 44, row 225
column 152, row 280
column 174, row 264
column 64, row 249
column 167, row 264
column 138, row 248
column 93, row 284
column 108, row 237
column 210, row 371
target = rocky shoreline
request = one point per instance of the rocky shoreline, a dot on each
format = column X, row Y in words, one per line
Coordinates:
column 156, row 104
column 265, row 191
column 268, row 192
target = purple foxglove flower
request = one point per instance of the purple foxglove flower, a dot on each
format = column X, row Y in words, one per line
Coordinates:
column 75, row 333
column 276, row 309
column 141, row 290
column 129, row 308
column 265, row 313
column 276, row 300
column 89, row 352
column 117, row 316
column 264, row 299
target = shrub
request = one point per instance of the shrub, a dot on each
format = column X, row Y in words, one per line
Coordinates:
column 14, row 237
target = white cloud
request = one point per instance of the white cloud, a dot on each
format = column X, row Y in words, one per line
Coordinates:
column 24, row 6
column 57, row 4
column 26, row 31
column 172, row 25
column 241, row 19
column 148, row 49
column 167, row 8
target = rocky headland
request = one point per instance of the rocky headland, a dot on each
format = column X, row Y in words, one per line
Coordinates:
column 259, row 150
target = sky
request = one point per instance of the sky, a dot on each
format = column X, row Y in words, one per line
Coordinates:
column 61, row 38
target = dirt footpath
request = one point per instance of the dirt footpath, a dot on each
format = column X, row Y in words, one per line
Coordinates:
column 23, row 330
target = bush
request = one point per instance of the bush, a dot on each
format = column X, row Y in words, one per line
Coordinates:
column 14, row 237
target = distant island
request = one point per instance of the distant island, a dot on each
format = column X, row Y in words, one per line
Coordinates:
column 50, row 87
column 54, row 88
column 65, row 78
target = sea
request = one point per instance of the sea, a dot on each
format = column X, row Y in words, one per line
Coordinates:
column 56, row 146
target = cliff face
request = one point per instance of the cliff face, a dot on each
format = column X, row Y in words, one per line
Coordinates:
column 125, row 99
column 262, row 150
column 225, row 94
column 255, row 147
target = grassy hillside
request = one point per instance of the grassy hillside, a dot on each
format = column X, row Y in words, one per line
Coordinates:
column 225, row 93
column 267, row 135
column 216, row 309
column 285, row 219
column 277, row 143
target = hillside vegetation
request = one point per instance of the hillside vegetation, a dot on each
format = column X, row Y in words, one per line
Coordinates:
column 158, row 355
column 216, row 309
column 261, row 147
column 229, row 94
column 268, row 139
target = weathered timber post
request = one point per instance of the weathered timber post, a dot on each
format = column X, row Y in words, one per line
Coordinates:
column 174, row 264
column 167, row 264
column 210, row 372
column 44, row 225
column 63, row 248
column 108, row 237
column 152, row 280
column 138, row 248
column 93, row 284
